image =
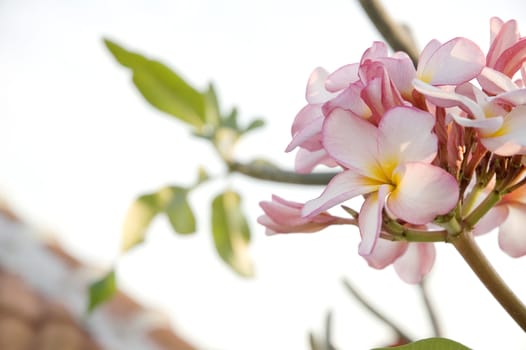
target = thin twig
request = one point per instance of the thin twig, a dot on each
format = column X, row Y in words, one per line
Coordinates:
column 400, row 334
column 396, row 35
column 313, row 342
column 328, row 331
column 431, row 313
column 271, row 173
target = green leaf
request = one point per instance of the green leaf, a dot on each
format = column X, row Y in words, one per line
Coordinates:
column 175, row 204
column 102, row 290
column 212, row 110
column 173, row 201
column 230, row 121
column 202, row 176
column 139, row 216
column 124, row 57
column 254, row 124
column 430, row 344
column 231, row 232
column 162, row 87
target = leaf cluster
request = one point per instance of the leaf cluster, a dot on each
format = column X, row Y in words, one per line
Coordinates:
column 168, row 92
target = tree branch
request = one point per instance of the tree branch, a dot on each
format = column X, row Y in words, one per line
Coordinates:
column 272, row 173
column 475, row 258
column 396, row 35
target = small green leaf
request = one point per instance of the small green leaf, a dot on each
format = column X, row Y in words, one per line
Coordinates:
column 254, row 124
column 102, row 290
column 124, row 57
column 173, row 201
column 175, row 204
column 430, row 344
column 230, row 121
column 162, row 87
column 225, row 139
column 212, row 110
column 139, row 216
column 231, row 232
column 202, row 176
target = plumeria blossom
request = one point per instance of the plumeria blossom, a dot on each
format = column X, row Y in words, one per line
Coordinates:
column 433, row 150
column 285, row 217
column 497, row 113
column 306, row 129
column 498, row 120
column 391, row 165
column 368, row 89
column 507, row 52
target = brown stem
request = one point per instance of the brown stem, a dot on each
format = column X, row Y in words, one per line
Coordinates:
column 475, row 258
column 272, row 173
column 396, row 36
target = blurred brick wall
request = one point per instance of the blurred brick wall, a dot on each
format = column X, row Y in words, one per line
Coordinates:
column 30, row 321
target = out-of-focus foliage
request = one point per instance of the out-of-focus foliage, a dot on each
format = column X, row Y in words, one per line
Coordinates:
column 102, row 290
column 162, row 87
column 430, row 344
column 231, row 232
column 170, row 200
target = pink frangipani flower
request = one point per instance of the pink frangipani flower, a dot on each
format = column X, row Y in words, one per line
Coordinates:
column 390, row 165
column 507, row 52
column 282, row 216
column 420, row 145
column 500, row 124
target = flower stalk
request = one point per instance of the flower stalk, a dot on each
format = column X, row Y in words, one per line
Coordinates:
column 489, row 202
column 477, row 261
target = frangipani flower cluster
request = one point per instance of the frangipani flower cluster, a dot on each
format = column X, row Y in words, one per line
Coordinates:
column 434, row 150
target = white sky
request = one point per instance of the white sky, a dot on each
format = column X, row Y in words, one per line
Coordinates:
column 78, row 144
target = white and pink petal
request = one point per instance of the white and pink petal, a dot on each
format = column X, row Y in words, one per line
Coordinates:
column 316, row 92
column 493, row 219
column 510, row 138
column 455, row 62
column 385, row 253
column 486, row 126
column 349, row 99
column 422, row 192
column 416, row 262
column 350, row 140
column 342, row 187
column 306, row 160
column 405, row 135
column 309, row 136
column 442, row 97
column 370, row 219
column 512, row 237
column 342, row 77
column 503, row 36
column 495, row 82
column 512, row 59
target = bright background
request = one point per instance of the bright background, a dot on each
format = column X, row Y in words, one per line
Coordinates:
column 78, row 144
